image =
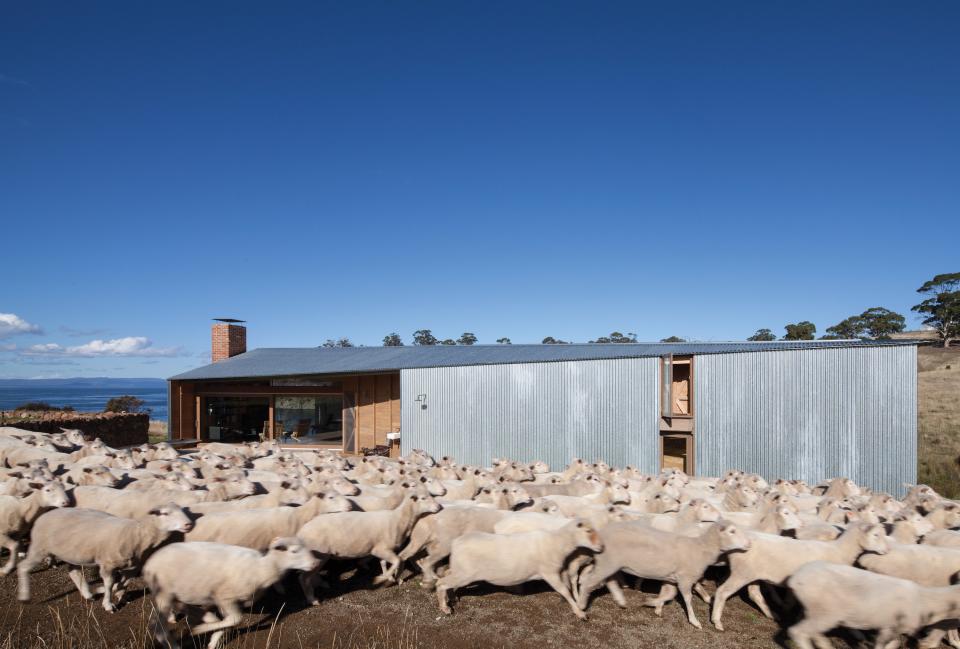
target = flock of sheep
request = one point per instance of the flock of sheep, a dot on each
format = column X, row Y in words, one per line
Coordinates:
column 211, row 529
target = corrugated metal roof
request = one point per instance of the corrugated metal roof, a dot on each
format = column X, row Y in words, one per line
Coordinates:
column 298, row 361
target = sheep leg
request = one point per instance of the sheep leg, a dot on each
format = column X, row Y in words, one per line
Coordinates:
column 450, row 581
column 591, row 578
column 614, row 587
column 686, row 592
column 308, row 582
column 80, row 581
column 726, row 589
column 756, row 596
column 107, row 575
column 33, row 558
column 886, row 638
column 702, row 592
column 556, row 582
column 389, row 564
column 800, row 637
column 809, row 632
column 427, row 564
column 231, row 617
column 667, row 593
column 13, row 547
column 935, row 636
column 163, row 608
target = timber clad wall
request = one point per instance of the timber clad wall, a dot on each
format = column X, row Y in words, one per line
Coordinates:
column 182, row 412
column 600, row 409
column 378, row 407
column 812, row 414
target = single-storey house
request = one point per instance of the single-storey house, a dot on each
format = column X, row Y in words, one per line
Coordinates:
column 808, row 410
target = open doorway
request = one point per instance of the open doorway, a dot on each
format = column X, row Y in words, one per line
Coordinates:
column 676, row 452
column 677, row 423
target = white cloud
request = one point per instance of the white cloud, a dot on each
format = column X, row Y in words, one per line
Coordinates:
column 13, row 325
column 129, row 346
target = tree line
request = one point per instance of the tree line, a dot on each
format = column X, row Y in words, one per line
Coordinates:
column 940, row 308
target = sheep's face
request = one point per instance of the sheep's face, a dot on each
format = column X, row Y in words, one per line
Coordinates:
column 787, row 518
column 124, row 460
column 292, row 554
column 951, row 514
column 343, row 486
column 546, row 506
column 665, row 503
column 98, row 475
column 74, row 436
column 619, row 494
column 518, row 496
column 868, row 514
column 732, row 538
column 171, row 518
column 587, row 537
column 539, row 467
column 52, row 494
column 335, row 502
column 747, row 497
column 176, row 481
column 425, row 504
column 237, row 484
column 705, row 512
column 433, row 486
column 920, row 524
column 874, row 539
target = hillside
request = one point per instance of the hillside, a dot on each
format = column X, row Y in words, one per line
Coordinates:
column 938, row 413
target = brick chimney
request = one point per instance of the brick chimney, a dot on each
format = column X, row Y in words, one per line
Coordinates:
column 228, row 338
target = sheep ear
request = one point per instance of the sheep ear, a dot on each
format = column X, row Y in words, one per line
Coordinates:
column 579, row 524
column 414, row 498
column 87, row 469
column 285, row 484
column 423, row 478
column 37, row 485
column 154, row 512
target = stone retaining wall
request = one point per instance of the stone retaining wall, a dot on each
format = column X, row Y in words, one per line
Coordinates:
column 115, row 429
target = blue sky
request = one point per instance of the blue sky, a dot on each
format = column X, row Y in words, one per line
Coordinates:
column 699, row 169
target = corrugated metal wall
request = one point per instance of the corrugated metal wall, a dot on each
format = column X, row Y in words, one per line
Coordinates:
column 811, row 414
column 605, row 409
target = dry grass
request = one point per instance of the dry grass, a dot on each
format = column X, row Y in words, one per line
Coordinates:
column 938, row 412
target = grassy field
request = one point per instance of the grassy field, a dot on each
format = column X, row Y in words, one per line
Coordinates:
column 938, row 387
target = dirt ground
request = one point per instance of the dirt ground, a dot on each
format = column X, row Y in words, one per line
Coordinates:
column 357, row 616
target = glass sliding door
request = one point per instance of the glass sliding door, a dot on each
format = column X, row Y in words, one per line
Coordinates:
column 308, row 419
column 235, row 419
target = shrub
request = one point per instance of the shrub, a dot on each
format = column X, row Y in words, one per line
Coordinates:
column 126, row 403
column 36, row 406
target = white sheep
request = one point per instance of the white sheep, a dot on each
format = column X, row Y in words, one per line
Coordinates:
column 842, row 596
column 18, row 516
column 513, row 559
column 255, row 528
column 354, row 535
column 647, row 553
column 773, row 559
column 214, row 575
column 86, row 537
